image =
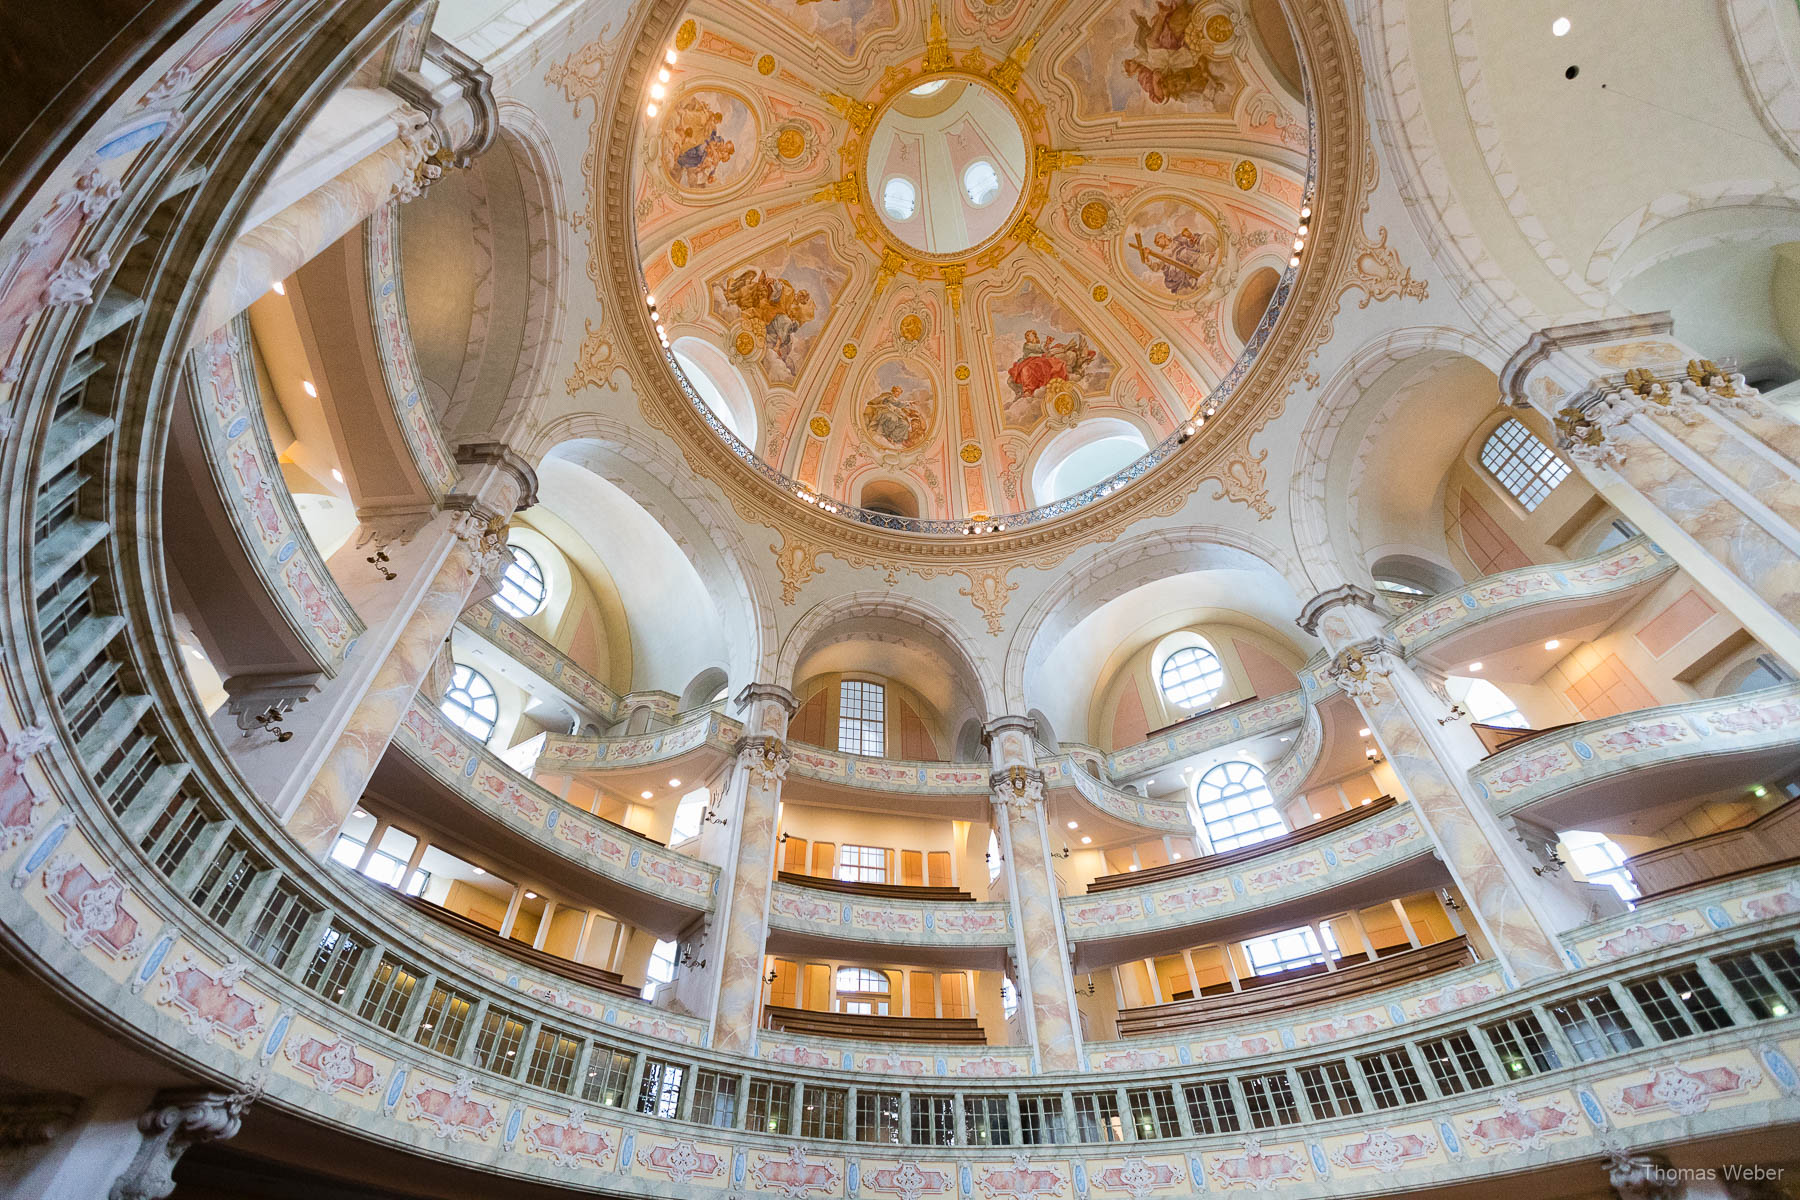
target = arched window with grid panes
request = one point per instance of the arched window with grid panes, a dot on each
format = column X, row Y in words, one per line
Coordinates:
column 522, row 589
column 1191, row 676
column 1236, row 808
column 470, row 702
column 1522, row 464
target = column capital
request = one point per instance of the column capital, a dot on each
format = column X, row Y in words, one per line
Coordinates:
column 751, row 693
column 176, row 1120
column 505, row 459
column 1548, row 343
column 1009, row 739
column 1017, row 789
column 1344, row 594
column 1356, row 667
column 1639, row 1174
column 766, row 757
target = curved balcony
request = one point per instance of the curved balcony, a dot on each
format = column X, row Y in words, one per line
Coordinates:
column 580, row 689
column 704, row 741
column 1578, row 775
column 1373, row 856
column 656, row 887
column 1066, row 774
column 1207, row 731
column 806, row 919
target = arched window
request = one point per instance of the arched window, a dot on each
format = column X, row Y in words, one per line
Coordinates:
column 1524, row 466
column 900, row 198
column 718, row 384
column 1288, row 950
column 522, row 589
column 1488, row 705
column 1601, row 860
column 862, row 718
column 861, row 990
column 660, row 969
column 1236, row 808
column 470, row 702
column 1078, row 458
column 1191, row 676
column 981, row 183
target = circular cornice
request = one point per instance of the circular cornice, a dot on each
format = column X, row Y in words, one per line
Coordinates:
column 1343, row 174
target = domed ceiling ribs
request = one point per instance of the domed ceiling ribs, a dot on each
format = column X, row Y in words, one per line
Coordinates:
column 1164, row 164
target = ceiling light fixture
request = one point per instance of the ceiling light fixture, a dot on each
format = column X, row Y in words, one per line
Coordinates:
column 1559, row 27
column 1294, row 261
column 670, row 57
column 481, row 870
column 278, row 287
column 674, row 783
column 1074, row 825
column 337, row 474
column 1552, row 644
column 1086, row 840
column 646, row 794
column 1362, row 733
column 1474, row 666
column 663, row 75
column 657, row 91
column 306, row 385
column 650, row 110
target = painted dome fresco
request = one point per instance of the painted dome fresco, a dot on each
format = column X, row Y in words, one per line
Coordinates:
column 966, row 261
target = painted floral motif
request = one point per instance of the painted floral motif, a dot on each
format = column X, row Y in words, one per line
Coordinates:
column 891, row 1064
column 1134, row 1060
column 1102, row 913
column 1237, row 1047
column 680, row 1162
column 569, row 1142
column 93, row 909
column 1517, row 1125
column 1647, row 736
column 1449, row 999
column 211, row 1003
column 1137, row 1178
column 969, row 923
column 334, row 1066
column 1253, row 1169
column 1298, row 871
column 1683, row 1091
column 1341, row 1027
column 1383, row 1151
column 802, row 908
column 1020, row 1181
column 1535, row 769
column 18, row 805
column 1196, row 896
column 658, row 1028
column 1377, row 840
column 907, row 1181
column 793, row 1176
column 1636, row 939
column 1758, row 718
column 452, row 1113
column 1774, row 904
column 987, row 1066
column 798, row 1056
column 887, row 920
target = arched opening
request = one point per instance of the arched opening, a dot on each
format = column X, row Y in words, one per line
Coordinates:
column 891, row 497
column 1253, row 300
column 1236, row 807
column 1409, row 575
column 718, row 384
column 707, row 688
column 1083, row 456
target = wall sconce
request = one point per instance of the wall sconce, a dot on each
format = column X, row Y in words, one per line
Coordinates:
column 1457, row 712
column 1063, row 853
column 709, row 817
column 379, row 560
column 270, row 721
column 688, row 960
column 1372, row 754
column 1089, row 989
column 771, row 976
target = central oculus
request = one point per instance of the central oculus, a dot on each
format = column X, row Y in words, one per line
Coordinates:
column 946, row 165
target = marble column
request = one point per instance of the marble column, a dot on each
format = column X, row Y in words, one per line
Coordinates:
column 476, row 550
column 1046, row 987
column 752, row 803
column 1688, row 451
column 1513, row 901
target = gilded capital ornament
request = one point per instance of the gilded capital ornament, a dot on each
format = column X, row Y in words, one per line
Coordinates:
column 1357, row 667
column 766, row 758
column 1018, row 790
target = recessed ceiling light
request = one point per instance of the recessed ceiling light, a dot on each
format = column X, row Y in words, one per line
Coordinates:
column 337, row 474
column 646, row 795
column 1132, row 867
column 669, row 57
column 1474, row 666
column 1177, row 856
column 1552, row 644
column 278, row 287
column 1560, row 26
column 1365, row 799
column 1362, row 733
column 481, row 870
column 656, row 91
column 306, row 385
column 359, row 813
column 650, row 110
column 674, row 783
column 1087, row 841
column 1316, row 816
column 531, row 895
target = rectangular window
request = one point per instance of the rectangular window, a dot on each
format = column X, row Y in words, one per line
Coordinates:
column 1153, row 1113
column 1596, row 1026
column 497, row 1044
column 1680, row 1004
column 1270, row 1099
column 862, row 864
column 878, row 1117
column 175, row 831
column 1097, row 1117
column 987, row 1121
column 933, row 1121
column 1523, row 1047
column 715, row 1099
column 226, row 878
column 1288, row 950
column 660, row 1095
column 385, row 1001
column 1455, row 1064
column 1392, row 1079
column 553, row 1056
column 1753, row 977
column 822, row 1112
column 1329, row 1090
column 771, row 1106
column 446, row 1016
column 1210, row 1106
column 279, row 925
column 862, row 718
column 1041, row 1121
column 333, row 964
column 608, row 1074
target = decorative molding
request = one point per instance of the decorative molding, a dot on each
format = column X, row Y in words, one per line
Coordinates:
column 178, row 1121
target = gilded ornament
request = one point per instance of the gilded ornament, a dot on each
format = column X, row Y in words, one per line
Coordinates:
column 678, row 254
column 765, row 65
column 849, row 350
column 1245, row 174
column 684, row 37
column 1062, row 398
column 1153, row 161
column 937, row 44
column 753, row 218
column 820, row 426
column 1219, row 28
column 970, row 453
column 790, row 143
column 744, row 343
column 912, row 327
column 1159, row 353
column 962, row 372
column 1094, row 214
column 1101, row 292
